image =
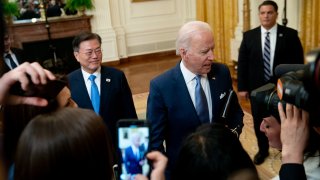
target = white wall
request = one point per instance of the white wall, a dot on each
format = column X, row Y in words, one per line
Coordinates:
column 130, row 29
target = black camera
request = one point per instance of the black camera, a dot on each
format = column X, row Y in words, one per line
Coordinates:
column 301, row 87
column 297, row 84
column 266, row 98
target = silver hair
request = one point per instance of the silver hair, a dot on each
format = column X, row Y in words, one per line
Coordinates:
column 187, row 31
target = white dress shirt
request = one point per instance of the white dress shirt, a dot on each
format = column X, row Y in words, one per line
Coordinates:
column 190, row 80
column 7, row 60
column 97, row 80
column 273, row 41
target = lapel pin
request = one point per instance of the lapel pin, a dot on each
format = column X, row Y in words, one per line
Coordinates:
column 280, row 35
column 108, row 80
column 222, row 95
column 214, row 78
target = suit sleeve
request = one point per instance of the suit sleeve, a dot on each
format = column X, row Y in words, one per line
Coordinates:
column 243, row 65
column 128, row 107
column 297, row 49
column 292, row 172
column 157, row 116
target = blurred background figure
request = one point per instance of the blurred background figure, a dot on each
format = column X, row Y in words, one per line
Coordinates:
column 12, row 57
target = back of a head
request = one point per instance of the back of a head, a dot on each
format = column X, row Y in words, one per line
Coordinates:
column 16, row 118
column 68, row 143
column 212, row 152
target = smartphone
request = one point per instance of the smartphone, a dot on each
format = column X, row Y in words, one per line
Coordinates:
column 133, row 144
column 48, row 91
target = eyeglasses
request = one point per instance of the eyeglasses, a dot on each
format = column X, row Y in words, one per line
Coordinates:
column 89, row 53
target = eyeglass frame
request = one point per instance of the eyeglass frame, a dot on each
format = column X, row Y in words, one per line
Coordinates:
column 89, row 52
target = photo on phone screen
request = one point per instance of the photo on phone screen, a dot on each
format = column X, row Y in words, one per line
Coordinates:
column 133, row 143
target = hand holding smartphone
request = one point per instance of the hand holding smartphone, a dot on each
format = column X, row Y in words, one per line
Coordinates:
column 133, row 143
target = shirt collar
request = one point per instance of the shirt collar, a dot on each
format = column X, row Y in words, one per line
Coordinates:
column 273, row 30
column 187, row 74
column 86, row 75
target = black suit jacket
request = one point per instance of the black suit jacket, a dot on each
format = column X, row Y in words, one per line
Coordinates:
column 288, row 50
column 20, row 55
column 115, row 96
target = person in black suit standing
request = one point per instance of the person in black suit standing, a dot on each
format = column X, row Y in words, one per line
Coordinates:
column 12, row 57
column 261, row 50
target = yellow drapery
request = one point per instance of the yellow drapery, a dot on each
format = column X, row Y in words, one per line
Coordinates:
column 310, row 25
column 223, row 18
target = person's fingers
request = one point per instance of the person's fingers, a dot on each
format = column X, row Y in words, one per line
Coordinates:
column 35, row 101
column 140, row 177
column 43, row 74
column 289, row 111
column 305, row 116
column 281, row 113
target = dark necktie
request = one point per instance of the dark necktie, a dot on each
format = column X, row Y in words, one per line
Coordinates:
column 266, row 58
column 95, row 97
column 201, row 102
column 12, row 63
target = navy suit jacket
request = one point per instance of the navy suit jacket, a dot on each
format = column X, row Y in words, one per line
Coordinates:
column 115, row 96
column 172, row 114
column 132, row 163
column 288, row 50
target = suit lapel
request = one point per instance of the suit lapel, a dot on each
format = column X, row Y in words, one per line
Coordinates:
column 182, row 88
column 81, row 90
column 279, row 44
column 105, row 83
column 213, row 90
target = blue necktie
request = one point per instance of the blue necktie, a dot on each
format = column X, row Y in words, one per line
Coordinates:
column 12, row 63
column 266, row 58
column 95, row 97
column 201, row 102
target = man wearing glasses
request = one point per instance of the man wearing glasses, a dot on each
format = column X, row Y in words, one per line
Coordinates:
column 102, row 89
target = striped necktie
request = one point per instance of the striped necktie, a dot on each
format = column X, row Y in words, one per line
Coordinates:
column 12, row 63
column 201, row 102
column 266, row 58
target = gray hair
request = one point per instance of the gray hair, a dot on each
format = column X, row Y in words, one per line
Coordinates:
column 187, row 31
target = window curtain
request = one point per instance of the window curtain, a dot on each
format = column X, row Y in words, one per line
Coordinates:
column 310, row 25
column 223, row 18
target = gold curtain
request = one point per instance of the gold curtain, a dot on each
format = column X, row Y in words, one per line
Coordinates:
column 310, row 25
column 223, row 18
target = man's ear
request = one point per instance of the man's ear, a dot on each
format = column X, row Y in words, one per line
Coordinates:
column 76, row 55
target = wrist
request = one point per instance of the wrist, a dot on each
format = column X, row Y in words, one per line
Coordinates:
column 292, row 157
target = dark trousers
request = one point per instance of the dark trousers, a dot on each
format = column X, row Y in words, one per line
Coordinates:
column 262, row 139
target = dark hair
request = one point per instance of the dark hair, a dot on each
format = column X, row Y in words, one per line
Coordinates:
column 71, row 143
column 212, row 152
column 16, row 118
column 84, row 36
column 272, row 3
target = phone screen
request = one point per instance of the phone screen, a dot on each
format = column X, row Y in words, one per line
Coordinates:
column 133, row 143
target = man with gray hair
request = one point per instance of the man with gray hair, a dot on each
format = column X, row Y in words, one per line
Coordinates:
column 192, row 93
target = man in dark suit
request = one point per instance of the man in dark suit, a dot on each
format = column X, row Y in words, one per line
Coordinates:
column 114, row 94
column 13, row 57
column 134, row 155
column 284, row 47
column 173, row 102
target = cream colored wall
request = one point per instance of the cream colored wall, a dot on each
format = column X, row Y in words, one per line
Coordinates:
column 129, row 29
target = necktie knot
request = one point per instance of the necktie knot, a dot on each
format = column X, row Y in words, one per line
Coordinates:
column 92, row 77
